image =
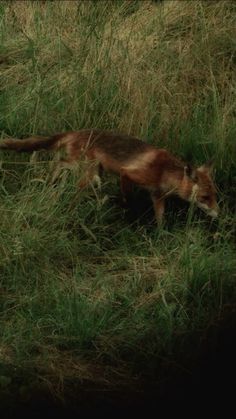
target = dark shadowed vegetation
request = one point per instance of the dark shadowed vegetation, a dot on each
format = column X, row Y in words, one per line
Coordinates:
column 90, row 292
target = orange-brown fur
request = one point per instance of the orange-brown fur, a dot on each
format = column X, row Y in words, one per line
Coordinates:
column 134, row 161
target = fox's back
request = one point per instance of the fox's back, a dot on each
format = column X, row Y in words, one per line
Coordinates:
column 121, row 147
column 121, row 153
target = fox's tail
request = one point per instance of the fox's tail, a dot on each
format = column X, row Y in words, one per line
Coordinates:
column 29, row 144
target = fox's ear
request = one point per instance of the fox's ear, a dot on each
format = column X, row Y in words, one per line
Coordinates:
column 190, row 172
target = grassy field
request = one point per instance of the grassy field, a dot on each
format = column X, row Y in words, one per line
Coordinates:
column 92, row 293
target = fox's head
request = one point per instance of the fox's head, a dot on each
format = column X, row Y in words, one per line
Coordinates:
column 200, row 188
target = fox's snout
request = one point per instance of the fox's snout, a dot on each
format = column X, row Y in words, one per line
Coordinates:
column 212, row 211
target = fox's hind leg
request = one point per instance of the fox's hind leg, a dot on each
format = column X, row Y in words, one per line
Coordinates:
column 62, row 164
column 91, row 171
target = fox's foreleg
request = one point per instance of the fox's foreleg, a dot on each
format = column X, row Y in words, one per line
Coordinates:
column 125, row 187
column 159, row 205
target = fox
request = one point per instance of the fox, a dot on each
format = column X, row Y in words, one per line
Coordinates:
column 135, row 162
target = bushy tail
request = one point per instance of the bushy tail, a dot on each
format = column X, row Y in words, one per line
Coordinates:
column 29, row 144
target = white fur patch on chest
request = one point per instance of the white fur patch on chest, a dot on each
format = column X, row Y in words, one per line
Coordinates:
column 97, row 180
column 141, row 160
column 194, row 192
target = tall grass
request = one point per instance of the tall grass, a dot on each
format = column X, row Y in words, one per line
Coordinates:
column 90, row 291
